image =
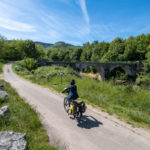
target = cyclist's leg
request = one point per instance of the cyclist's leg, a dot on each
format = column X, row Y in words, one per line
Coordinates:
column 69, row 101
column 75, row 105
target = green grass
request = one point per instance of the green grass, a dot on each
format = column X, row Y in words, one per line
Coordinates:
column 23, row 118
column 1, row 67
column 2, row 62
column 128, row 102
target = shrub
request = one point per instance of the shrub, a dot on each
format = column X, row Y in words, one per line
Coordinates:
column 29, row 64
column 143, row 80
column 1, row 66
column 49, row 72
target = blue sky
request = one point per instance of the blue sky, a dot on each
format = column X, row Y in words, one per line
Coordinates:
column 73, row 21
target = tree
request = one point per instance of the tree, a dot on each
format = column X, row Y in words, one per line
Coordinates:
column 95, row 53
column 141, row 46
column 76, row 54
column 29, row 63
column 87, row 52
column 2, row 42
column 147, row 63
column 29, row 48
column 116, row 50
column 130, row 52
column 40, row 51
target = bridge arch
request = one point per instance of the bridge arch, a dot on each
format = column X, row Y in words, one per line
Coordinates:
column 118, row 72
column 125, row 68
column 89, row 67
column 99, row 69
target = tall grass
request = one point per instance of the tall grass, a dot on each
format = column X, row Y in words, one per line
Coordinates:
column 129, row 102
column 1, row 67
column 23, row 118
column 2, row 62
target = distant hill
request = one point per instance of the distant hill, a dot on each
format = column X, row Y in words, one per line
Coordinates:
column 57, row 45
column 62, row 45
column 45, row 45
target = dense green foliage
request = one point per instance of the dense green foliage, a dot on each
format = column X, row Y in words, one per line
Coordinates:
column 144, row 77
column 126, row 101
column 49, row 72
column 131, row 49
column 23, row 119
column 1, row 67
column 2, row 62
column 44, row 45
column 28, row 63
column 19, row 49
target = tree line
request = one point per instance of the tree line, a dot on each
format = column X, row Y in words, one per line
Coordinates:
column 131, row 49
column 19, row 49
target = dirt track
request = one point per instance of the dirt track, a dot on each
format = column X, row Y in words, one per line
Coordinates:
column 98, row 131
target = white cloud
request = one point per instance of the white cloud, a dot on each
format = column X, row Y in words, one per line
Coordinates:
column 84, row 10
column 7, row 10
column 54, row 27
column 60, row 28
column 15, row 25
column 10, row 15
column 54, row 35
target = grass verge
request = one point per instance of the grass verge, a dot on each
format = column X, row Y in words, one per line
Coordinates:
column 128, row 102
column 1, row 67
column 23, row 118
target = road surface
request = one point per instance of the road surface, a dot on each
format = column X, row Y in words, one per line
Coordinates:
column 98, row 131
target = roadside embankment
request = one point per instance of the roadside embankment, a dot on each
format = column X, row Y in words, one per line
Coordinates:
column 22, row 118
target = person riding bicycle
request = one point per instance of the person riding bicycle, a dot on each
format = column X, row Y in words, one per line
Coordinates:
column 72, row 91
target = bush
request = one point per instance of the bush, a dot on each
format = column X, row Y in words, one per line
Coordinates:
column 29, row 64
column 1, row 67
column 49, row 72
column 2, row 62
column 129, row 88
column 143, row 80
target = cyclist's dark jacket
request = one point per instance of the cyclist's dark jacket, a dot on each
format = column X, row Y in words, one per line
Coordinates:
column 72, row 94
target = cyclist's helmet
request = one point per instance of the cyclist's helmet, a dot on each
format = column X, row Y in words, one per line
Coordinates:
column 72, row 82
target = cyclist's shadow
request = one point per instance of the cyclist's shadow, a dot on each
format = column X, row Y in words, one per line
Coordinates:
column 89, row 122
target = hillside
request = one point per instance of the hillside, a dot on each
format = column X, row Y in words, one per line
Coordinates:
column 62, row 45
column 45, row 45
column 57, row 45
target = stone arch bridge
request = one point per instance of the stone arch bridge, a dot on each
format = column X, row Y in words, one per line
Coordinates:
column 103, row 68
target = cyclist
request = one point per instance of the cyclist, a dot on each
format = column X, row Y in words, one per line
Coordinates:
column 72, row 91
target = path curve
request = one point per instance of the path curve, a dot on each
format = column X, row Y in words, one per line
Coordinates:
column 97, row 132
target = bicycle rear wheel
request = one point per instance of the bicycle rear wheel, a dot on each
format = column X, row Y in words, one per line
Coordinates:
column 66, row 104
column 78, row 114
